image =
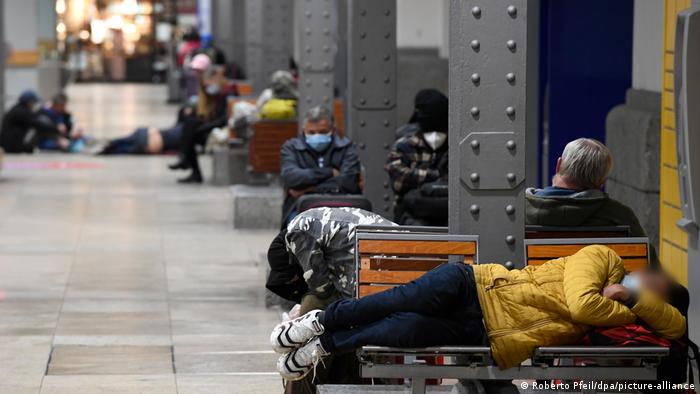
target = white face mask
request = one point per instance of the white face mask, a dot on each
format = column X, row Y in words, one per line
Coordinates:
column 435, row 139
column 631, row 282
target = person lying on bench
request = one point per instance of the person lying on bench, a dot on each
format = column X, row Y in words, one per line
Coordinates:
column 548, row 305
column 312, row 261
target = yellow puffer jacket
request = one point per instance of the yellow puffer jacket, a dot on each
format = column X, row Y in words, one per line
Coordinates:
column 558, row 302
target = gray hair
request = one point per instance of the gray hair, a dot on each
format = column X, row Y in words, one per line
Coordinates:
column 586, row 163
column 319, row 113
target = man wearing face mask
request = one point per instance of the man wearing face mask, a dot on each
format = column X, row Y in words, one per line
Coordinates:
column 22, row 128
column 318, row 161
column 417, row 164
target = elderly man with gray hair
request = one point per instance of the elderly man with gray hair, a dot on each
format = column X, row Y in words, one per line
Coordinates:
column 575, row 197
column 318, row 161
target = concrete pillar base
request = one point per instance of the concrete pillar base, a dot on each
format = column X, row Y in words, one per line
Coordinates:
column 229, row 166
column 256, row 207
column 632, row 132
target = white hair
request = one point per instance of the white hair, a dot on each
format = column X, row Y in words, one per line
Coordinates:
column 585, row 163
column 319, row 113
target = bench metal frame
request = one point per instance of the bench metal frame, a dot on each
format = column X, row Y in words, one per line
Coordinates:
column 474, row 363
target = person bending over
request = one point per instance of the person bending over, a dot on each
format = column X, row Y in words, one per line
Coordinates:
column 22, row 127
column 319, row 161
column 417, row 164
column 312, row 261
column 513, row 311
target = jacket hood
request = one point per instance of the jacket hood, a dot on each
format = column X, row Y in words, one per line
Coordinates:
column 338, row 142
column 571, row 210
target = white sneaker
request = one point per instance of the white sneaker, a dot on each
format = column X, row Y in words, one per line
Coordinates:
column 297, row 364
column 293, row 334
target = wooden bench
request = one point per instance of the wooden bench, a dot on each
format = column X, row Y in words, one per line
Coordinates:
column 390, row 256
column 634, row 251
column 387, row 258
column 265, row 142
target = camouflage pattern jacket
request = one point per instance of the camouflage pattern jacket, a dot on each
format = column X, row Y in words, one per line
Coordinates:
column 323, row 241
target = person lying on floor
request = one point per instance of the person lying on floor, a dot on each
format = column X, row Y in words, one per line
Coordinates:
column 513, row 312
column 151, row 140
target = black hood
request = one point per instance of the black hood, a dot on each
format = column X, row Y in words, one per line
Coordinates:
column 430, row 110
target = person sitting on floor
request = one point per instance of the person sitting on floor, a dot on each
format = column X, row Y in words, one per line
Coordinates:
column 312, row 262
column 513, row 312
column 22, row 127
column 56, row 112
column 210, row 114
column 417, row 164
column 319, row 161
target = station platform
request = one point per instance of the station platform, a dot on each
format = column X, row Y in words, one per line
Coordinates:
column 116, row 279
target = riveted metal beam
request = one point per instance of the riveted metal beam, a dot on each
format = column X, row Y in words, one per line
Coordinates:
column 269, row 39
column 317, row 22
column 371, row 94
column 490, row 89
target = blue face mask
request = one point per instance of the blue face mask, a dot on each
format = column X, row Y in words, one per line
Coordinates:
column 631, row 282
column 319, row 142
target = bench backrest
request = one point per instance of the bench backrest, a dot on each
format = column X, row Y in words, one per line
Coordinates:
column 634, row 251
column 553, row 232
column 339, row 115
column 265, row 142
column 311, row 201
column 387, row 258
column 245, row 88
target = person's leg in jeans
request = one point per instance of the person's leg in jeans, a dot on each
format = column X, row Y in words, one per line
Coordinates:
column 440, row 308
column 434, row 294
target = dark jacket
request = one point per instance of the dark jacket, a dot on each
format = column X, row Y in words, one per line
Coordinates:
column 16, row 125
column 587, row 208
column 412, row 163
column 302, row 167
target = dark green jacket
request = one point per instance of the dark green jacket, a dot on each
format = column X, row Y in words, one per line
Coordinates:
column 586, row 208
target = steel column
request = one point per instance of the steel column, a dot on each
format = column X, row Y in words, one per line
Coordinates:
column 489, row 92
column 371, row 94
column 316, row 27
column 268, row 39
column 3, row 57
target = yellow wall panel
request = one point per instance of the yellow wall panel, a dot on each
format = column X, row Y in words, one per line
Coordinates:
column 668, row 119
column 668, row 61
column 668, row 78
column 672, row 233
column 668, row 148
column 673, row 240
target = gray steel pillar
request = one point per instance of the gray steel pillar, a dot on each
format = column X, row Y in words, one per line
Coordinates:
column 238, row 51
column 490, row 97
column 3, row 57
column 371, row 94
column 222, row 26
column 316, row 27
column 268, row 39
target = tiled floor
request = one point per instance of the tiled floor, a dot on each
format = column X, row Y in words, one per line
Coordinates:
column 114, row 279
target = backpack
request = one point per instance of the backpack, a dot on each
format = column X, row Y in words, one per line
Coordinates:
column 278, row 109
column 676, row 368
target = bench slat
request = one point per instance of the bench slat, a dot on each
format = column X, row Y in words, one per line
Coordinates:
column 631, row 264
column 556, row 251
column 366, row 290
column 417, row 248
column 393, row 277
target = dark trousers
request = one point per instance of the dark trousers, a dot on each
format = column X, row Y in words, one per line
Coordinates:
column 194, row 132
column 132, row 144
column 439, row 309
